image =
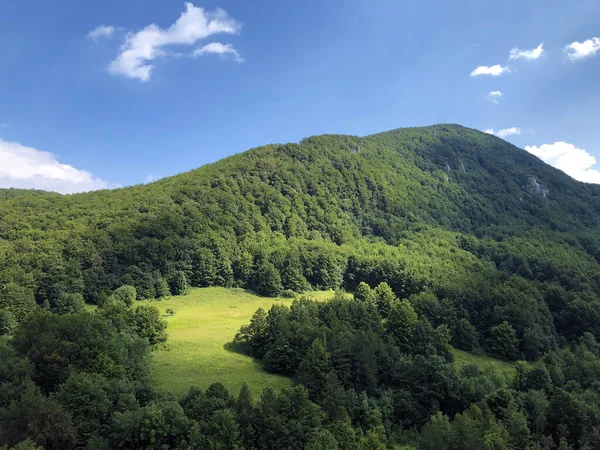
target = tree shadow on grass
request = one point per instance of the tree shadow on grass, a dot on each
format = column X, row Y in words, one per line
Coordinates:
column 235, row 347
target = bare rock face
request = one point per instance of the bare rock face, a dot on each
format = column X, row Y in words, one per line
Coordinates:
column 535, row 187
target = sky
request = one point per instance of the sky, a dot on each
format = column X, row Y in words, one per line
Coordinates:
column 113, row 93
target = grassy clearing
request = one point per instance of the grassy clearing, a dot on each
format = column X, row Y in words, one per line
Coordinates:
column 462, row 358
column 205, row 321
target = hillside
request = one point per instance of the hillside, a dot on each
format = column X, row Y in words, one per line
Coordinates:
column 443, row 208
column 462, row 253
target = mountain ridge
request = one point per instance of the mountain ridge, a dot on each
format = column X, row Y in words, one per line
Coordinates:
column 464, row 189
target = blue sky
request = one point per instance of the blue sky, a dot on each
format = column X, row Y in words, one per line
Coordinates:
column 81, row 111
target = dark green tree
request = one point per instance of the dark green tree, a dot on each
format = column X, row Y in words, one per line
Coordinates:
column 315, row 367
column 178, row 283
column 268, row 281
column 364, row 293
column 503, row 341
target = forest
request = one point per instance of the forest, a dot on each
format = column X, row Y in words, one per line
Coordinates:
column 445, row 236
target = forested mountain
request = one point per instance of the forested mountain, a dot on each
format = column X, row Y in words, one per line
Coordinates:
column 472, row 242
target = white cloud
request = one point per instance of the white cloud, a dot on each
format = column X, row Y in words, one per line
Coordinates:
column 504, row 132
column 150, row 178
column 581, row 50
column 574, row 161
column 147, row 44
column 28, row 168
column 219, row 49
column 495, row 96
column 101, row 31
column 517, row 53
column 495, row 70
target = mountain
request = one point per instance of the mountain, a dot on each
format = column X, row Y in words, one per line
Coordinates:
column 450, row 239
column 443, row 208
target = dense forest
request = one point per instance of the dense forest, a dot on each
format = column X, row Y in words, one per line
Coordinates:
column 448, row 237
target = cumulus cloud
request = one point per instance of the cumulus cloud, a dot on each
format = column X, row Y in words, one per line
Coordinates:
column 495, row 70
column 494, row 96
column 574, row 161
column 530, row 55
column 27, row 168
column 148, row 44
column 101, row 31
column 218, row 49
column 580, row 50
column 504, row 132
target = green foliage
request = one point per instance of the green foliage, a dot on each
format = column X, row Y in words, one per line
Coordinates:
column 7, row 322
column 161, row 288
column 268, row 281
column 178, row 283
column 69, row 303
column 60, row 345
column 364, row 293
column 322, row 440
column 503, row 341
column 125, row 294
column 464, row 336
column 314, row 368
column 384, row 298
column 148, row 324
column 401, row 323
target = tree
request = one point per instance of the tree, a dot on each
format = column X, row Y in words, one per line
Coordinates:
column 204, row 268
column 464, row 336
column 127, row 294
column 503, row 341
column 384, row 297
column 254, row 335
column 58, row 345
column 244, row 407
column 224, row 271
column 86, row 396
column 38, row 418
column 314, row 369
column 162, row 288
column 7, row 322
column 18, row 300
column 268, row 281
column 322, row 440
column 436, row 434
column 371, row 441
column 401, row 323
column 69, row 303
column 178, row 283
column 242, row 267
column 333, row 398
column 158, row 425
column 149, row 324
column 364, row 293
column 292, row 277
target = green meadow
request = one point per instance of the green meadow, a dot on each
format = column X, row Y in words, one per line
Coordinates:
column 197, row 351
column 462, row 358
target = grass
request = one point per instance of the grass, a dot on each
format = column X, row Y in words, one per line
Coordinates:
column 196, row 353
column 462, row 358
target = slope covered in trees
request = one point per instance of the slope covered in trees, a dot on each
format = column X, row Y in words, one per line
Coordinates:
column 447, row 236
column 442, row 210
